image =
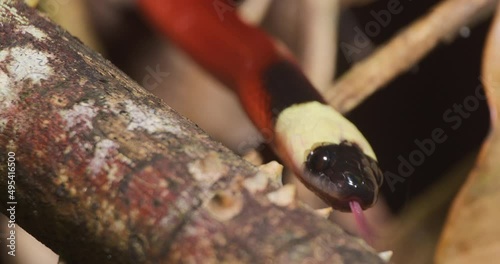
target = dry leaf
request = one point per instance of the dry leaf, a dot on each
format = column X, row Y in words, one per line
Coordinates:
column 472, row 231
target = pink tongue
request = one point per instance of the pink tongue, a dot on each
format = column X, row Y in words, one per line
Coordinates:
column 364, row 230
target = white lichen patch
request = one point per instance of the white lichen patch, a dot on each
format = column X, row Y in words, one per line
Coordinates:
column 112, row 174
column 274, row 171
column 256, row 183
column 284, row 196
column 324, row 212
column 26, row 63
column 208, row 169
column 103, row 152
column 3, row 55
column 3, row 124
column 10, row 13
column 254, row 157
column 81, row 114
column 7, row 93
column 32, row 30
column 386, row 255
column 149, row 119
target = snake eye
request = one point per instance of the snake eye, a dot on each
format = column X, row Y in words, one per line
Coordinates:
column 320, row 160
column 341, row 173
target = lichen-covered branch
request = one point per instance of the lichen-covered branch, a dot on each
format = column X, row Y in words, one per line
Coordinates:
column 106, row 172
column 405, row 50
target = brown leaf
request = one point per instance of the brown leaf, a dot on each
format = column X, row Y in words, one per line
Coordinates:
column 472, row 231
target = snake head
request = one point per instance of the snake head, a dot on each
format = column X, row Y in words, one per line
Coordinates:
column 342, row 173
column 329, row 155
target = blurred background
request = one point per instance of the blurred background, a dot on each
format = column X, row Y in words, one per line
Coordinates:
column 441, row 92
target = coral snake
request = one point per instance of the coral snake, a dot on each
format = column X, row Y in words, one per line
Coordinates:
column 326, row 151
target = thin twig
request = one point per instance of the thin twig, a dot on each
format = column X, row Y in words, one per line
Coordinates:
column 254, row 11
column 320, row 40
column 404, row 50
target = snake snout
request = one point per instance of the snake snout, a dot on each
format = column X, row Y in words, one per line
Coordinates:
column 342, row 173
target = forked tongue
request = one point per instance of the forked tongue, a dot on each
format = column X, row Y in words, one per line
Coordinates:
column 363, row 228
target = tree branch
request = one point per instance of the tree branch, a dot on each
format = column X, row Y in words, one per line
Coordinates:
column 106, row 172
column 405, row 50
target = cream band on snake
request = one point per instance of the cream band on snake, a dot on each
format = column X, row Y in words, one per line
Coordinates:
column 301, row 127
